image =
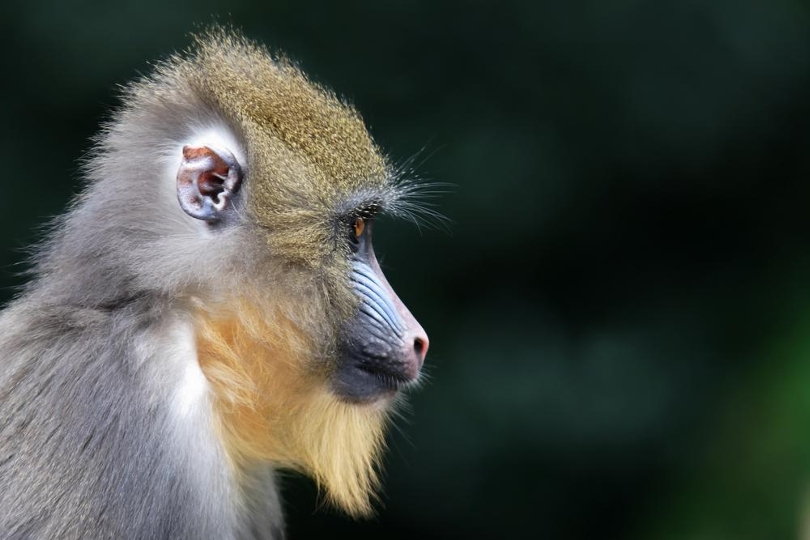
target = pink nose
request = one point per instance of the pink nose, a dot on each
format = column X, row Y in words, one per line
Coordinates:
column 416, row 345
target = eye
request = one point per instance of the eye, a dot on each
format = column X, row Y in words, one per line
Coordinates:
column 359, row 226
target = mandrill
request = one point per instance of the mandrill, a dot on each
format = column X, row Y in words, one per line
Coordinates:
column 209, row 310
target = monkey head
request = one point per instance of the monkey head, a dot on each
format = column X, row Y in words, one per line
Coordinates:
column 265, row 236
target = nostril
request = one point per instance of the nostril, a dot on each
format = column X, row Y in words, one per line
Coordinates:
column 420, row 346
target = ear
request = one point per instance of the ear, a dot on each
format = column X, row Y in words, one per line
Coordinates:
column 207, row 181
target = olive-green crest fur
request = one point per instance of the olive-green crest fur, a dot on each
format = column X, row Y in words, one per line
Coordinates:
column 307, row 150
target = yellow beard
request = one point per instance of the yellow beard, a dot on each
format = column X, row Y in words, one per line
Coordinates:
column 273, row 406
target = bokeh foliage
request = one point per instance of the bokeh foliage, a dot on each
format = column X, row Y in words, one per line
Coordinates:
column 619, row 321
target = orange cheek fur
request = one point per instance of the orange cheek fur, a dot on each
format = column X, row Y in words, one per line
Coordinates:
column 273, row 404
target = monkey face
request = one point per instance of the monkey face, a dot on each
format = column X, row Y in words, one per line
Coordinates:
column 300, row 169
column 381, row 347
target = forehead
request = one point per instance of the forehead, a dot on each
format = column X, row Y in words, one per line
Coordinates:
column 302, row 141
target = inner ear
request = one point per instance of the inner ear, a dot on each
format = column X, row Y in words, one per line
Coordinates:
column 207, row 181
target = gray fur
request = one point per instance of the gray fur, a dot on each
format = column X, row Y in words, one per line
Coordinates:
column 91, row 445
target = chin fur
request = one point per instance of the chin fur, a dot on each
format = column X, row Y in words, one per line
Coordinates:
column 272, row 405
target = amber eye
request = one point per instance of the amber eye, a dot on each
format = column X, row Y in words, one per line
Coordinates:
column 359, row 227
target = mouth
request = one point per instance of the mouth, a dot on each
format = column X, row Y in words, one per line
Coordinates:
column 365, row 379
column 389, row 378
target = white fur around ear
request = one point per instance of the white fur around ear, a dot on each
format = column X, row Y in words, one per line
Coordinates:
column 216, row 137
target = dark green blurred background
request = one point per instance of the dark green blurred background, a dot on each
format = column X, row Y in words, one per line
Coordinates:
column 620, row 315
